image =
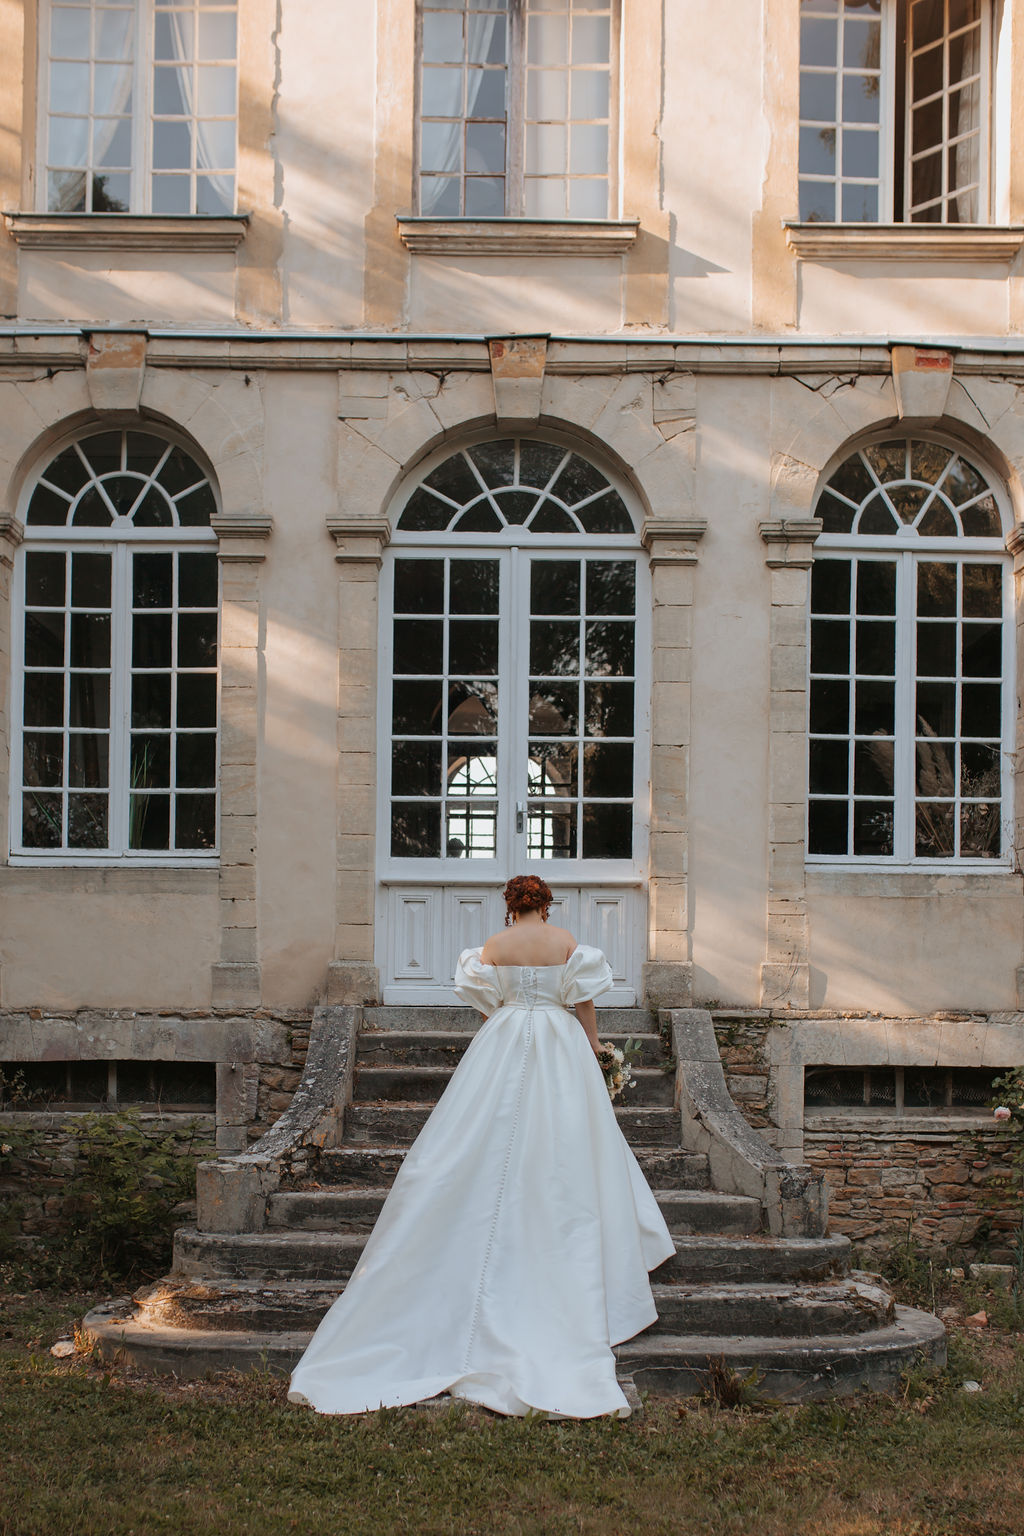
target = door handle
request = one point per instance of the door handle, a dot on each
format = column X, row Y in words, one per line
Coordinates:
column 520, row 816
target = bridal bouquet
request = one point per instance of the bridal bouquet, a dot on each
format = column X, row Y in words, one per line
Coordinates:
column 615, row 1064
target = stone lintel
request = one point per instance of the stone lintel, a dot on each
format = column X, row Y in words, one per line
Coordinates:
column 673, row 541
column 790, row 540
column 359, row 540
column 115, row 366
column 517, row 377
column 242, row 536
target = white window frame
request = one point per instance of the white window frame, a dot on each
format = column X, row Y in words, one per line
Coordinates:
column 513, row 692
column 891, row 60
column 515, row 115
column 907, row 549
column 120, row 544
column 142, row 116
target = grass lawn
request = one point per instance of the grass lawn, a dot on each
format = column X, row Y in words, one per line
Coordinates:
column 88, row 1451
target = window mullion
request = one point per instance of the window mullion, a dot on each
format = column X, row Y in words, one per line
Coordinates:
column 142, row 114
column 120, row 699
column 906, row 669
column 515, row 110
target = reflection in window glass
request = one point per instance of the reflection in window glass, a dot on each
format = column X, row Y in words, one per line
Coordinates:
column 540, row 148
column 118, row 748
column 117, row 77
column 907, row 752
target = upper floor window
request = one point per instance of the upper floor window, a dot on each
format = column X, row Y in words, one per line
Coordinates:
column 894, row 111
column 114, row 747
column 911, row 694
column 138, row 106
column 517, row 108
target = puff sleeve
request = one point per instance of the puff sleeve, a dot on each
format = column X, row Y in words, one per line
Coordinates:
column 476, row 983
column 587, row 975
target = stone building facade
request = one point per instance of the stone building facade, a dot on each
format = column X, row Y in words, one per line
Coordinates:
column 605, row 447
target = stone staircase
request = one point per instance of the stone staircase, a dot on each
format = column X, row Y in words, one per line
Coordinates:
column 785, row 1304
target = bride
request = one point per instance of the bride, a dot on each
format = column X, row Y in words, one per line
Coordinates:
column 514, row 1248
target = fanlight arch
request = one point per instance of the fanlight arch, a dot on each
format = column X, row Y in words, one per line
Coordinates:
column 515, row 485
column 119, row 480
column 909, row 487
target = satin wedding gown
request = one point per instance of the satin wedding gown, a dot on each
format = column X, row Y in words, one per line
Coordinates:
column 514, row 1248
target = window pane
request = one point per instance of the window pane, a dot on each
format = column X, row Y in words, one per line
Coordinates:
column 554, row 710
column 415, row 768
column 87, row 821
column 415, row 831
column 607, row 831
column 195, row 821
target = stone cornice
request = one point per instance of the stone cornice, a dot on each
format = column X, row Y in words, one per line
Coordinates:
column 1015, row 540
column 359, row 540
column 905, row 242
column 243, row 535
column 126, row 231
column 673, row 541
column 517, row 237
column 12, row 529
column 790, row 540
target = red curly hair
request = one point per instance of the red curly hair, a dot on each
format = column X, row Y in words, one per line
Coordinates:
column 526, row 893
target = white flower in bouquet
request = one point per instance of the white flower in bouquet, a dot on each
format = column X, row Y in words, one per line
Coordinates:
column 614, row 1063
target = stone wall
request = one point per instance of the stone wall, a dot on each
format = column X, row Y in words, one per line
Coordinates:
column 265, row 1053
column 742, row 1042
column 933, row 1178
column 38, row 1154
column 935, row 1184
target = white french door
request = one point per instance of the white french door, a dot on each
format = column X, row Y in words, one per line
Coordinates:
column 513, row 738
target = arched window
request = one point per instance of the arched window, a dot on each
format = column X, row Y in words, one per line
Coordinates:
column 513, row 581
column 911, row 653
column 114, row 747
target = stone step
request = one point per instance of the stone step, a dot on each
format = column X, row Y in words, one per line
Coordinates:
column 431, row 1017
column 444, row 1048
column 350, row 1167
column 376, row 1124
column 356, row 1210
column 786, row 1369
column 289, row 1255
column 790, row 1370
column 425, row 1085
column 849, row 1306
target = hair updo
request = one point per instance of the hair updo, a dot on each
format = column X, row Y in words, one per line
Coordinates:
column 526, row 893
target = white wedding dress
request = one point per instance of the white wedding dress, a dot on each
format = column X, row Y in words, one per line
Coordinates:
column 514, row 1248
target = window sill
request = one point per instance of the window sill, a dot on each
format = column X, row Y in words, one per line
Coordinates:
column 517, row 237
column 904, row 242
column 126, row 231
column 940, row 1121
